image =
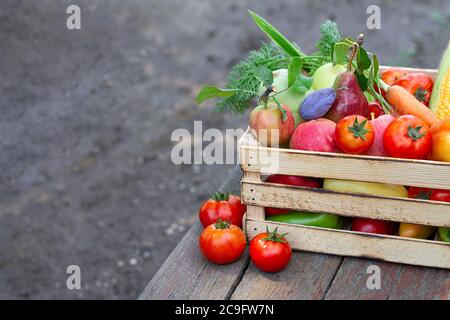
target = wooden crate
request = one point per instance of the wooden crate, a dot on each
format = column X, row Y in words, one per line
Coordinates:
column 257, row 161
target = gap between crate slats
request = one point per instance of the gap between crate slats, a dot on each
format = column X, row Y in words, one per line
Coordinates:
column 346, row 204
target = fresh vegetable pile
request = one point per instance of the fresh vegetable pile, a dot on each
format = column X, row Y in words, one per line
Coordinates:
column 338, row 100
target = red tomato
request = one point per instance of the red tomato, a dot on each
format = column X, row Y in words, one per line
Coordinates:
column 292, row 181
column 391, row 75
column 222, row 205
column 419, row 84
column 429, row 194
column 374, row 110
column 222, row 242
column 270, row 252
column 407, row 137
column 354, row 134
column 374, row 226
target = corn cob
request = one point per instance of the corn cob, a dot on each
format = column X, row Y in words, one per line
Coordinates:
column 440, row 98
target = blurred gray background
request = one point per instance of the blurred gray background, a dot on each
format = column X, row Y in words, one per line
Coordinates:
column 86, row 118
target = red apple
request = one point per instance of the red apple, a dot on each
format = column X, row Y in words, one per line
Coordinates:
column 268, row 126
column 315, row 135
column 379, row 126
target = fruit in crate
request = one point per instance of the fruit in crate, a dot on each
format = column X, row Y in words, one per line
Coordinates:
column 381, row 189
column 314, row 135
column 379, row 125
column 317, row 104
column 350, row 99
column 292, row 181
column 326, row 75
column 290, row 97
column 354, row 134
column 440, row 150
column 440, row 98
column 374, row 226
column 408, row 137
column 324, row 220
column 270, row 126
column 419, row 84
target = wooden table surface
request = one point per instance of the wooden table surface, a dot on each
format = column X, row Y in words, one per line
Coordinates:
column 187, row 275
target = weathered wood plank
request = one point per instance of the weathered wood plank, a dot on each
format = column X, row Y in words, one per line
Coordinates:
column 422, row 284
column 353, row 205
column 350, row 282
column 431, row 174
column 307, row 276
column 355, row 244
column 186, row 274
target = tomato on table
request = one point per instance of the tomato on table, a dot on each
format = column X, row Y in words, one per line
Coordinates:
column 270, row 251
column 407, row 137
column 222, row 242
column 354, row 134
column 222, row 205
column 419, row 84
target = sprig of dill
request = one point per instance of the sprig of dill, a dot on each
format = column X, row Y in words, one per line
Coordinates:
column 242, row 76
column 329, row 36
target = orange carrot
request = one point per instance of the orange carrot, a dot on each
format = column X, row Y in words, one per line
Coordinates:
column 405, row 103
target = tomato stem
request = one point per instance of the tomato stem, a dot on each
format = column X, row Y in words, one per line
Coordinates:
column 359, row 129
column 414, row 133
column 274, row 236
column 219, row 196
column 222, row 224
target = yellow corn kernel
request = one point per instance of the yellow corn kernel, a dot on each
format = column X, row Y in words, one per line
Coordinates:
column 443, row 106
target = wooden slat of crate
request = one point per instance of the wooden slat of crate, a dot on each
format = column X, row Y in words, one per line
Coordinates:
column 347, row 204
column 348, row 243
column 420, row 173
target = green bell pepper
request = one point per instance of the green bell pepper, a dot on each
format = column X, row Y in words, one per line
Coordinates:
column 444, row 234
column 324, row 220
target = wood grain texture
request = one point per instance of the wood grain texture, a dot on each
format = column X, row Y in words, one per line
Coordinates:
column 355, row 244
column 420, row 173
column 422, row 283
column 307, row 276
column 346, row 204
column 350, row 282
column 186, row 274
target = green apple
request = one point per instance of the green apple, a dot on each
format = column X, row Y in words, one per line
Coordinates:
column 290, row 98
column 325, row 76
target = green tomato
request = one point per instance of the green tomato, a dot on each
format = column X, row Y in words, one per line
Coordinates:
column 290, row 98
column 325, row 76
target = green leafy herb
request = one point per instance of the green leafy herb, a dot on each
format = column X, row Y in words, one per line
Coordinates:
column 242, row 77
column 263, row 74
column 209, row 92
column 329, row 36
